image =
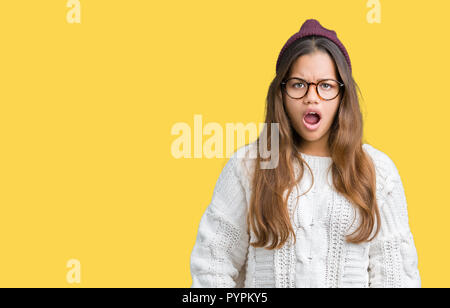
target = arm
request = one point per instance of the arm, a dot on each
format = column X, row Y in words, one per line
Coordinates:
column 220, row 250
column 393, row 256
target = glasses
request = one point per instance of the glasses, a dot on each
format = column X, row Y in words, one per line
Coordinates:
column 326, row 89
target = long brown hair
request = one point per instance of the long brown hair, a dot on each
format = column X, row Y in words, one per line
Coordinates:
column 352, row 170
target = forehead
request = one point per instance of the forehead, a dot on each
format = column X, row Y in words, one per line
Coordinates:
column 313, row 66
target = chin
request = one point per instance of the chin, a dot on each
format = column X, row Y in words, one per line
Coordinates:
column 311, row 136
column 311, row 139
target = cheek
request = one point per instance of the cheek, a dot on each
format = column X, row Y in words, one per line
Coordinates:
column 332, row 111
column 294, row 113
column 293, row 110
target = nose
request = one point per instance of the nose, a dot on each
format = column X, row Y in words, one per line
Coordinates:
column 311, row 96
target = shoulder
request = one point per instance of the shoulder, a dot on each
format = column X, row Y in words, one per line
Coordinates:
column 390, row 196
column 238, row 169
column 231, row 190
column 243, row 160
column 380, row 158
column 385, row 168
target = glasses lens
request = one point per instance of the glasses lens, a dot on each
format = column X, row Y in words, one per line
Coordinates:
column 328, row 89
column 296, row 88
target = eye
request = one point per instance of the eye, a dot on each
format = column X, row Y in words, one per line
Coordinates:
column 326, row 86
column 298, row 85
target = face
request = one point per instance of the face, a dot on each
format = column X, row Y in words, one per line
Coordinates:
column 313, row 68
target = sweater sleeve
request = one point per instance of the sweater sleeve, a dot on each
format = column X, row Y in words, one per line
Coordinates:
column 393, row 256
column 220, row 251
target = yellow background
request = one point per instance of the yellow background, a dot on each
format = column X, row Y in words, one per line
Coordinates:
column 86, row 170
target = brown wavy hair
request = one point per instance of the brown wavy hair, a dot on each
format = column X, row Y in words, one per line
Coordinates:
column 352, row 170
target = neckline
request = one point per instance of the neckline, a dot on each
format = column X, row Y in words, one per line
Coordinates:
column 315, row 156
column 317, row 163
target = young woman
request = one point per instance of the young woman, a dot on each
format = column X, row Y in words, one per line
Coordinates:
column 332, row 213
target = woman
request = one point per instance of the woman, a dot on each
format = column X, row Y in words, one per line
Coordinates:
column 344, row 223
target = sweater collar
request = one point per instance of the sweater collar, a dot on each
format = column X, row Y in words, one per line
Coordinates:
column 317, row 163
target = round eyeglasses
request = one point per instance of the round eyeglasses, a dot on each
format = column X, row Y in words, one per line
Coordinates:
column 326, row 89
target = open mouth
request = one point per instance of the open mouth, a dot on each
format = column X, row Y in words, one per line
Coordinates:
column 312, row 120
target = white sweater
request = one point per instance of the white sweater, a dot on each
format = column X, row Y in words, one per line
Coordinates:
column 222, row 256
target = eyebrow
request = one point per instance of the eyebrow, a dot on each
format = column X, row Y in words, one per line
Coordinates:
column 324, row 78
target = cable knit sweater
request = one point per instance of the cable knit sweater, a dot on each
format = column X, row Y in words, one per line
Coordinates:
column 222, row 256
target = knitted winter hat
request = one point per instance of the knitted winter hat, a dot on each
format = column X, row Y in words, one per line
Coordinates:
column 313, row 27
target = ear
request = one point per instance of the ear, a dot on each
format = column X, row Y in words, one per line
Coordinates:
column 280, row 93
column 338, row 112
column 280, row 100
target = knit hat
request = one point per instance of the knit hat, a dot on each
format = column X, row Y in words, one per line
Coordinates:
column 313, row 27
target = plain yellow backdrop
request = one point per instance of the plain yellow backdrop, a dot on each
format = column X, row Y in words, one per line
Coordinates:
column 86, row 170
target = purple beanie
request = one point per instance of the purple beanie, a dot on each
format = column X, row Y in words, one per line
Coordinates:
column 313, row 27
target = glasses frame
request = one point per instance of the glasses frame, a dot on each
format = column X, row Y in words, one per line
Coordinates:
column 284, row 82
